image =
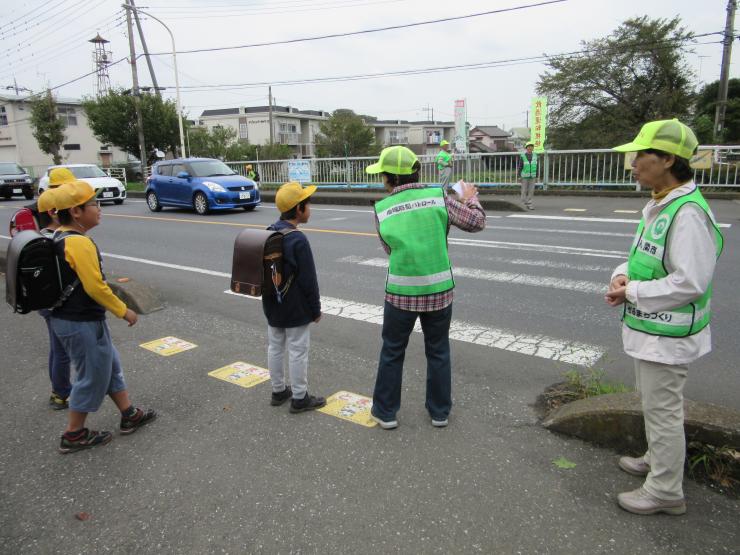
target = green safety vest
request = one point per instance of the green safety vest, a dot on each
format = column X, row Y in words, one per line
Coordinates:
column 443, row 159
column 529, row 169
column 251, row 174
column 413, row 223
column 645, row 263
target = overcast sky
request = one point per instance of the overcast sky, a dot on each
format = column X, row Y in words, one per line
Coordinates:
column 45, row 42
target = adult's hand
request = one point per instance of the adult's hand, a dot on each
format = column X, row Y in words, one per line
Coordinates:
column 468, row 191
column 131, row 317
column 617, row 292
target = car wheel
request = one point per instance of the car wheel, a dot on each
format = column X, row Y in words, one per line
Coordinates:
column 200, row 203
column 153, row 202
column 28, row 193
column 249, row 208
column 118, row 201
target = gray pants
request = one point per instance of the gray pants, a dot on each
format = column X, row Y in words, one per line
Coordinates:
column 527, row 190
column 661, row 392
column 445, row 174
column 296, row 342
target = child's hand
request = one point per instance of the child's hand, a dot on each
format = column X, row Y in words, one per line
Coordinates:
column 131, row 317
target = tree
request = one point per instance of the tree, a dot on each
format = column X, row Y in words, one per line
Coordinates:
column 113, row 120
column 212, row 143
column 48, row 127
column 706, row 103
column 345, row 134
column 634, row 75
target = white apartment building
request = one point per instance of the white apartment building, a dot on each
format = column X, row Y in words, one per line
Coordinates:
column 17, row 143
column 423, row 137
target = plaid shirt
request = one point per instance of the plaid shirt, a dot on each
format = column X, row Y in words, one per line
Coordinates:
column 468, row 217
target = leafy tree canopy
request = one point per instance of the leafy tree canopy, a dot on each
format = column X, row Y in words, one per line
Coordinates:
column 220, row 142
column 47, row 126
column 345, row 134
column 634, row 75
column 706, row 104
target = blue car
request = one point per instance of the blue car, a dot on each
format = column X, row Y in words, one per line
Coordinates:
column 203, row 184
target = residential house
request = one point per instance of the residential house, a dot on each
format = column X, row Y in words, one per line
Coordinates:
column 490, row 138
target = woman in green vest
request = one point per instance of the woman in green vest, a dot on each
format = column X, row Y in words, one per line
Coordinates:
column 527, row 166
column 665, row 288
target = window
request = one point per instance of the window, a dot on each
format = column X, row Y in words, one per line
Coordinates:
column 242, row 130
column 72, row 147
column 177, row 168
column 165, row 169
column 67, row 113
column 3, row 116
column 288, row 128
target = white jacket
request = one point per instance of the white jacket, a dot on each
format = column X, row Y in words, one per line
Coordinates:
column 690, row 258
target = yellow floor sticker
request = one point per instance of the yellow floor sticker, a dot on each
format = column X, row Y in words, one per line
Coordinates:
column 242, row 374
column 350, row 406
column 168, row 346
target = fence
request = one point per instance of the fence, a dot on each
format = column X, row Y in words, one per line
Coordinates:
column 716, row 166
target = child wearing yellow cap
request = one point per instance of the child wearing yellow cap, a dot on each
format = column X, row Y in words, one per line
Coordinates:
column 290, row 313
column 80, row 323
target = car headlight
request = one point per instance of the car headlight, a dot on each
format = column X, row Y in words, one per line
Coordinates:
column 215, row 187
column 2, row 182
column 29, row 180
column 256, row 186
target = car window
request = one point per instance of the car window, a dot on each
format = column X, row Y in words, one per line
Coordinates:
column 10, row 169
column 177, row 168
column 210, row 168
column 82, row 172
column 164, row 169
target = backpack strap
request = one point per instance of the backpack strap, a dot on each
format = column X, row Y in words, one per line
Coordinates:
column 70, row 288
column 280, row 292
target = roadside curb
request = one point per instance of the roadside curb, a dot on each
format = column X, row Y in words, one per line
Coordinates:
column 616, row 421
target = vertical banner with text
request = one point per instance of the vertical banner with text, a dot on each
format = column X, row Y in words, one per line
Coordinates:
column 539, row 123
column 461, row 131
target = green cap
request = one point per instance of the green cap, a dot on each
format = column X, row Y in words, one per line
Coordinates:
column 397, row 160
column 444, row 143
column 667, row 135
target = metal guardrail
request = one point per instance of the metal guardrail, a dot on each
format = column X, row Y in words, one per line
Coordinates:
column 719, row 166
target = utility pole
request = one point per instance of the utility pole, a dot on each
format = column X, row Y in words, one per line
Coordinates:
column 136, row 92
column 146, row 50
column 269, row 89
column 724, row 78
column 429, row 110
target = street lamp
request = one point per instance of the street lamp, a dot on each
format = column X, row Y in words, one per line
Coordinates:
column 177, row 78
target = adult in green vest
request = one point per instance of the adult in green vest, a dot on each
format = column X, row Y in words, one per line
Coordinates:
column 444, row 164
column 666, row 289
column 413, row 222
column 527, row 167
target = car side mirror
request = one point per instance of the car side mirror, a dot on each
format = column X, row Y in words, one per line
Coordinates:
column 183, row 175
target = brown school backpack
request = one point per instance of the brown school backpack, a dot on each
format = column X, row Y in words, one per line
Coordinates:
column 257, row 268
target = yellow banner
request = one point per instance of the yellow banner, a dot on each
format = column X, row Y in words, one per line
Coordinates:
column 242, row 374
column 168, row 346
column 538, row 123
column 350, row 406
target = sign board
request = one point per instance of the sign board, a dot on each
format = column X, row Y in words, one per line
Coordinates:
column 242, row 374
column 168, row 346
column 539, row 123
column 299, row 170
column 350, row 406
column 460, row 142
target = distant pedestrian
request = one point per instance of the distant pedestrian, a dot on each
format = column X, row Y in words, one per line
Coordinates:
column 666, row 289
column 412, row 223
column 444, row 164
column 289, row 316
column 80, row 324
column 527, row 169
column 252, row 173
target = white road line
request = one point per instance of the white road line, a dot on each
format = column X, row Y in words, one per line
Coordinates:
column 564, row 231
column 556, row 249
column 167, row 265
column 500, row 277
column 574, row 209
column 626, row 211
column 585, row 219
column 542, row 346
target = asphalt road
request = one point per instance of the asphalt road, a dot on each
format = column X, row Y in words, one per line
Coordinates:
column 222, row 471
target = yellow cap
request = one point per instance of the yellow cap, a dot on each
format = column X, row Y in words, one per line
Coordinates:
column 72, row 194
column 444, row 143
column 248, row 167
column 667, row 135
column 47, row 200
column 60, row 176
column 291, row 194
column 397, row 160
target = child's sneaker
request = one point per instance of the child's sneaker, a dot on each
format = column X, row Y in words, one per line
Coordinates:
column 129, row 424
column 309, row 402
column 57, row 402
column 83, row 439
column 280, row 398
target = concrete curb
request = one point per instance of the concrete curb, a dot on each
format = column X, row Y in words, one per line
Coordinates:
column 616, row 421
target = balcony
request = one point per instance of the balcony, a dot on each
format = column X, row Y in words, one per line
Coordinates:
column 289, row 138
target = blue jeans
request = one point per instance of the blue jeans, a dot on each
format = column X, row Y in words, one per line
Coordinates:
column 58, row 361
column 95, row 359
column 397, row 327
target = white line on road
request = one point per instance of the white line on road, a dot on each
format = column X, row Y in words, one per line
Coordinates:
column 556, row 249
column 564, row 231
column 542, row 346
column 584, row 219
column 500, row 277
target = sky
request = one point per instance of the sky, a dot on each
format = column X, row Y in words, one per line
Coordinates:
column 44, row 43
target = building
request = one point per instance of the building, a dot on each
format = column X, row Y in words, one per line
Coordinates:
column 423, row 137
column 17, row 143
column 490, row 138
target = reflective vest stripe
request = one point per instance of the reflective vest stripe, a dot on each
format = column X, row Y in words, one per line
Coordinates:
column 668, row 317
column 410, row 206
column 431, row 279
column 529, row 169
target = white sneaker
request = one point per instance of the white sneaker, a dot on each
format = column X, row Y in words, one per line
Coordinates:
column 640, row 502
column 439, row 423
column 385, row 424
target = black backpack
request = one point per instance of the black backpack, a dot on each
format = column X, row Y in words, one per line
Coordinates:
column 33, row 280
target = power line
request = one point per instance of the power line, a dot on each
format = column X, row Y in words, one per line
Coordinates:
column 8, row 24
column 5, row 34
column 366, row 31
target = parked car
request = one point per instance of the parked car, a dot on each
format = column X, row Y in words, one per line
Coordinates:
column 203, row 184
column 15, row 181
column 107, row 188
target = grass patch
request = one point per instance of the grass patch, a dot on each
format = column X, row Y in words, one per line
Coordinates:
column 136, row 186
column 579, row 385
column 718, row 467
